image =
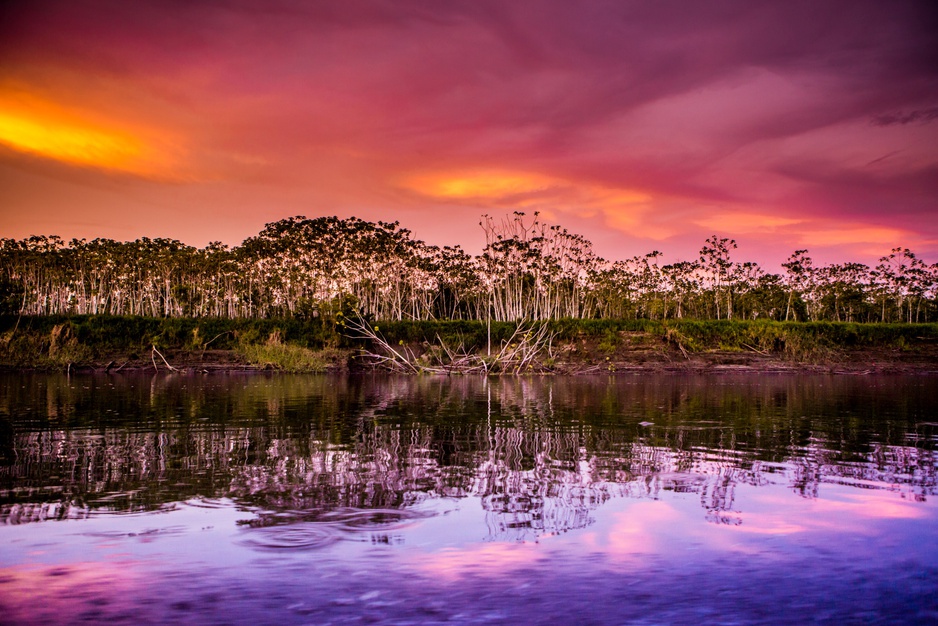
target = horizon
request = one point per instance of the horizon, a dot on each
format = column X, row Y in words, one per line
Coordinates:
column 640, row 127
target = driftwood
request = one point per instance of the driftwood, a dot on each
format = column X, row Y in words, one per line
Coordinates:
column 756, row 350
column 153, row 358
column 516, row 355
column 205, row 345
column 403, row 361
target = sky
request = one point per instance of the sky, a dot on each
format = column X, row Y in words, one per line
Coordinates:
column 639, row 125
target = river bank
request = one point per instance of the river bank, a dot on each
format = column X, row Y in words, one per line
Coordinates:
column 115, row 344
column 853, row 363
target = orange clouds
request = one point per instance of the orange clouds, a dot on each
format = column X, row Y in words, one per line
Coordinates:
column 745, row 222
column 33, row 125
column 850, row 234
column 638, row 128
column 493, row 185
column 811, row 232
column 65, row 142
column 501, row 189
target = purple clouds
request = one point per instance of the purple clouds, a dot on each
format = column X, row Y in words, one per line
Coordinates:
column 642, row 125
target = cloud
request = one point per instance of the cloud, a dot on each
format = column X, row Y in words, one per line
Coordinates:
column 44, row 593
column 555, row 198
column 36, row 127
column 922, row 116
column 705, row 111
column 744, row 223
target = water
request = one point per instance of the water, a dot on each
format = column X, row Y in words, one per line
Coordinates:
column 312, row 499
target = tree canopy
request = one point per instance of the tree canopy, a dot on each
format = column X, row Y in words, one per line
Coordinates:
column 301, row 267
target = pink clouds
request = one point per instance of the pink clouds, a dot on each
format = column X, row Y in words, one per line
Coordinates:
column 768, row 122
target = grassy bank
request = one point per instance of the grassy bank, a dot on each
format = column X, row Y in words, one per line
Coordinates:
column 57, row 342
column 52, row 342
column 615, row 345
column 795, row 340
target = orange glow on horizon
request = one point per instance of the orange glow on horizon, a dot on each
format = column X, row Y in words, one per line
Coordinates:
column 890, row 237
column 208, row 122
column 811, row 233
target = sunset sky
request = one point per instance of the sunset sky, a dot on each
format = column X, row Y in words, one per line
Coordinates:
column 640, row 125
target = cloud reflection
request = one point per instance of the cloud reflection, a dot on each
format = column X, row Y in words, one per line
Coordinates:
column 68, row 592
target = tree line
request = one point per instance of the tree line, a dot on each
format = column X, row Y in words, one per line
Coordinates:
column 304, row 268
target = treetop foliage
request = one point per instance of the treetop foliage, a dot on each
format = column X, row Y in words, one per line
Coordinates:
column 327, row 267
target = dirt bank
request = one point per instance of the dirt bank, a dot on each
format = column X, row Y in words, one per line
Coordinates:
column 574, row 358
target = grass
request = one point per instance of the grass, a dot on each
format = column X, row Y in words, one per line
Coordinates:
column 291, row 358
column 797, row 341
column 313, row 345
column 56, row 349
column 55, row 342
column 275, row 354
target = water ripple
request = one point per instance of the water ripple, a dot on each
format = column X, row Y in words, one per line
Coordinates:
column 358, row 520
column 301, row 536
column 209, row 503
column 298, row 530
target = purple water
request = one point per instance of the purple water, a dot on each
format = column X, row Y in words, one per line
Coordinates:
column 608, row 500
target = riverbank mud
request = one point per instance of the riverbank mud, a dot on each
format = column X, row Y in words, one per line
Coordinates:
column 568, row 360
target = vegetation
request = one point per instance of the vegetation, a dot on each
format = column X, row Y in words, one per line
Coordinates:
column 313, row 294
column 323, row 269
column 443, row 346
column 517, row 354
column 291, row 358
column 60, row 341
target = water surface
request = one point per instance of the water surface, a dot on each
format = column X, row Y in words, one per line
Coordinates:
column 315, row 499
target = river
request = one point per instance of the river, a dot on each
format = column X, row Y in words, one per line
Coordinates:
column 639, row 499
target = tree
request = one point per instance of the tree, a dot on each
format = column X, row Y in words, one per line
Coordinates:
column 715, row 257
column 798, row 272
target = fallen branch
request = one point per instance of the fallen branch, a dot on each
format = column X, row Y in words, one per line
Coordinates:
column 394, row 360
column 755, row 349
column 157, row 352
column 517, row 354
column 205, row 345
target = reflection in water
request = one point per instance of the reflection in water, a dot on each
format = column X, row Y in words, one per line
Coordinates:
column 539, row 453
column 300, row 530
column 315, row 499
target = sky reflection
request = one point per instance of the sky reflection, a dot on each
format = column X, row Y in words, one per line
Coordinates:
column 407, row 498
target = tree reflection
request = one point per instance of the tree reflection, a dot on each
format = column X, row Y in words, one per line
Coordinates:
column 540, row 454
